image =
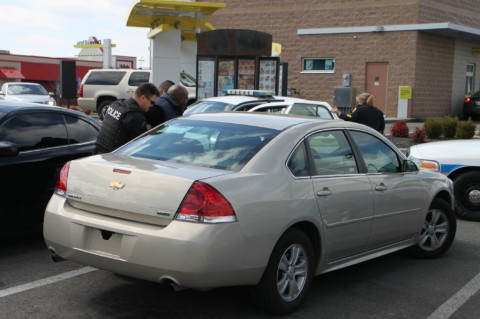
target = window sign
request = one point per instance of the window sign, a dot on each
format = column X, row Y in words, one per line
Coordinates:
column 206, row 78
column 246, row 74
column 268, row 75
column 226, row 73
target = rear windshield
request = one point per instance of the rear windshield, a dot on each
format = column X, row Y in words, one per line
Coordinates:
column 105, row 78
column 208, row 106
column 201, row 143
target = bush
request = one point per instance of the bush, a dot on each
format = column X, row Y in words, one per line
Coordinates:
column 450, row 126
column 399, row 129
column 466, row 129
column 418, row 135
column 433, row 127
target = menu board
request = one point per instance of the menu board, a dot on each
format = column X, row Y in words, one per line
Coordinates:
column 268, row 75
column 206, row 79
column 246, row 74
column 226, row 73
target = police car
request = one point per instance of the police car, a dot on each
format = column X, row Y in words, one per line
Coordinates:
column 460, row 161
column 245, row 100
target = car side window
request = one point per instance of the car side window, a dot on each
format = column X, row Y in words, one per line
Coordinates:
column 105, row 78
column 80, row 131
column 137, row 78
column 332, row 153
column 378, row 156
column 35, row 130
column 273, row 109
column 311, row 110
column 298, row 162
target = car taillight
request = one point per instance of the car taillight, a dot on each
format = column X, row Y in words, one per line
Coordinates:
column 468, row 100
column 61, row 186
column 205, row 204
column 80, row 91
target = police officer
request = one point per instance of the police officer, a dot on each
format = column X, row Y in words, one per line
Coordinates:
column 125, row 119
column 364, row 113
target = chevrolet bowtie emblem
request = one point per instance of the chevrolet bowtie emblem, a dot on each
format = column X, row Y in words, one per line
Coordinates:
column 116, row 185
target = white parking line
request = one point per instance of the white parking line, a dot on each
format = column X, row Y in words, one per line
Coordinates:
column 457, row 300
column 46, row 281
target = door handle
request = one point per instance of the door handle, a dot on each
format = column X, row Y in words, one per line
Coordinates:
column 324, row 192
column 381, row 187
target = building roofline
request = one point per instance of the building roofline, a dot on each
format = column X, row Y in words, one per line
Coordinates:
column 443, row 28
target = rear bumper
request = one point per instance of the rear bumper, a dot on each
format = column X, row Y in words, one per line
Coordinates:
column 189, row 254
column 87, row 104
column 471, row 109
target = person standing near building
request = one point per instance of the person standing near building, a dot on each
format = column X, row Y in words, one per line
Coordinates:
column 124, row 119
column 364, row 113
column 168, row 106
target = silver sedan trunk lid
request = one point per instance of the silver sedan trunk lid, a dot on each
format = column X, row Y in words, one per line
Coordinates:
column 140, row 190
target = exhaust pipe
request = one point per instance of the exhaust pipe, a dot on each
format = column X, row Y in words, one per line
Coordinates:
column 175, row 287
column 171, row 285
column 56, row 258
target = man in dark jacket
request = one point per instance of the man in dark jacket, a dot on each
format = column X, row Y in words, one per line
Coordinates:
column 168, row 106
column 125, row 119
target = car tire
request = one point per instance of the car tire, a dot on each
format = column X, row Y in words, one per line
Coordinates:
column 438, row 231
column 467, row 196
column 288, row 275
column 101, row 106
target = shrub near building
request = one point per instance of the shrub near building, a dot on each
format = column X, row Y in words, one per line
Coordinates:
column 465, row 129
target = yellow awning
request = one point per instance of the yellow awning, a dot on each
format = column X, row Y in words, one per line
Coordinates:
column 185, row 16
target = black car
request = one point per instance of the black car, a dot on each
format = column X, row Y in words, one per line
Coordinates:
column 471, row 106
column 35, row 142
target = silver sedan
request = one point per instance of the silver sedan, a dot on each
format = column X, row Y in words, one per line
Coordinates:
column 267, row 201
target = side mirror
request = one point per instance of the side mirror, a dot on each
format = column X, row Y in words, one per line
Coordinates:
column 8, row 149
column 2, row 93
column 51, row 94
column 409, row 166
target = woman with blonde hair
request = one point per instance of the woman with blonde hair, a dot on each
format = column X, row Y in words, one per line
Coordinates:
column 364, row 113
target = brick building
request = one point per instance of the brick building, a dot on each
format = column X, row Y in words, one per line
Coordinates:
column 431, row 46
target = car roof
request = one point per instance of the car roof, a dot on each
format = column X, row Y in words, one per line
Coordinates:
column 274, row 121
column 295, row 100
column 10, row 106
column 28, row 83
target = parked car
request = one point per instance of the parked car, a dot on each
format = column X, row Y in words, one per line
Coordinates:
column 26, row 92
column 460, row 161
column 298, row 107
column 35, row 142
column 235, row 100
column 471, row 106
column 100, row 87
column 237, row 198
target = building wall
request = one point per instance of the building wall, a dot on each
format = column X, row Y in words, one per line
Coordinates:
column 43, row 70
column 432, row 91
column 462, row 12
column 351, row 52
column 426, row 61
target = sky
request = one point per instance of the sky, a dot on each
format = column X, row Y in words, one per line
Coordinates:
column 52, row 27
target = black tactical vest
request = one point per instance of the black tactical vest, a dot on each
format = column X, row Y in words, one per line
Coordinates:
column 112, row 135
